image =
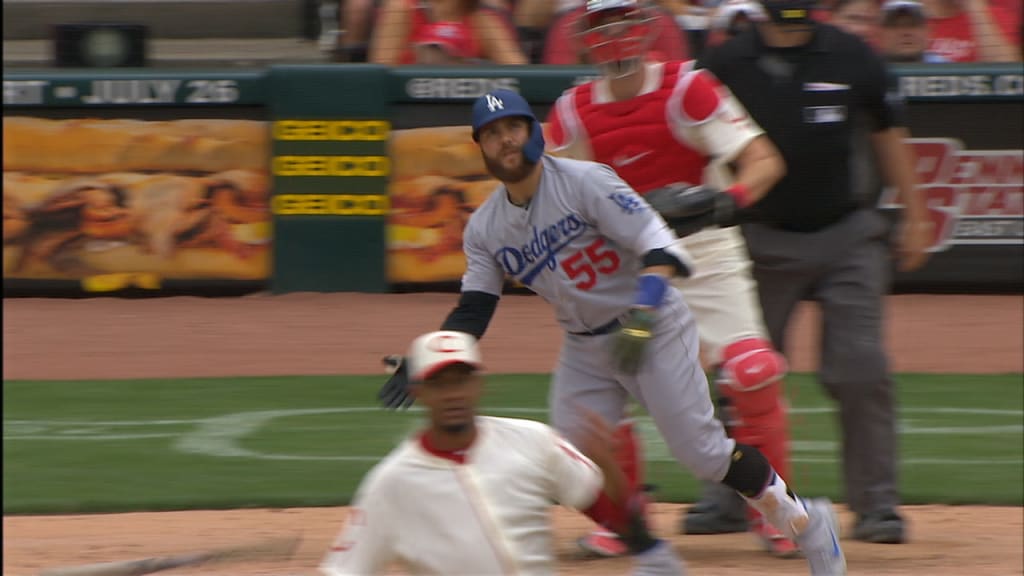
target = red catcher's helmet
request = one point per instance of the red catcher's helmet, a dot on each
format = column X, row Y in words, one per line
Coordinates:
column 617, row 34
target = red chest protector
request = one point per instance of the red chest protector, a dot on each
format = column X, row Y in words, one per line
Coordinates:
column 636, row 136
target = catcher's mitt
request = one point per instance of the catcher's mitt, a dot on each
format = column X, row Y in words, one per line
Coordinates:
column 689, row 209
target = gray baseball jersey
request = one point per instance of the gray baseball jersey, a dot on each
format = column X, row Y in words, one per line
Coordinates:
column 579, row 244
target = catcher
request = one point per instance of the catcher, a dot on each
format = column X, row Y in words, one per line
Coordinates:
column 665, row 127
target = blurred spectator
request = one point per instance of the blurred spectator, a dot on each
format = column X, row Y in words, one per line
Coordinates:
column 733, row 17
column 532, row 19
column 347, row 38
column 693, row 17
column 904, row 35
column 442, row 32
column 858, row 17
column 563, row 46
column 972, row 31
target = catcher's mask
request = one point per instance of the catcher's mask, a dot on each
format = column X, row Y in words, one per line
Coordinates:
column 616, row 35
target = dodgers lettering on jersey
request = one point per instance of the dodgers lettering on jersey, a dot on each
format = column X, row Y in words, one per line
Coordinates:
column 579, row 244
column 486, row 516
column 526, row 261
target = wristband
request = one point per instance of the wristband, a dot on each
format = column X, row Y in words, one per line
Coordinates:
column 650, row 290
column 740, row 193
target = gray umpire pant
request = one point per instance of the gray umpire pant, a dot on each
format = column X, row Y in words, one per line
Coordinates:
column 845, row 268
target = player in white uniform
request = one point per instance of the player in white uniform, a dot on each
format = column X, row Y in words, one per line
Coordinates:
column 471, row 494
column 661, row 124
column 577, row 235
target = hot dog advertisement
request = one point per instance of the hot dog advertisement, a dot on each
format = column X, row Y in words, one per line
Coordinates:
column 437, row 180
column 94, row 198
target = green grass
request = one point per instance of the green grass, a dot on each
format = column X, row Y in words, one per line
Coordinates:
column 92, row 446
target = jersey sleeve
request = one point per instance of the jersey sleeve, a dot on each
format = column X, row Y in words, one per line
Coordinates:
column 365, row 544
column 576, row 479
column 880, row 94
column 705, row 114
column 620, row 214
column 483, row 273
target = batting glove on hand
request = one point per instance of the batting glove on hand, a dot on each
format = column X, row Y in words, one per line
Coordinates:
column 631, row 340
column 395, row 395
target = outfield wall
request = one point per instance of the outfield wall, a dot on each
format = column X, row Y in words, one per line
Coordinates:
column 361, row 177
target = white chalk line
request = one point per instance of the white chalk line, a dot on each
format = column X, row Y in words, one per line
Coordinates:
column 220, row 436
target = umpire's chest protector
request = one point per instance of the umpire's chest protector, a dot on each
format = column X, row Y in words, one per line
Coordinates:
column 643, row 138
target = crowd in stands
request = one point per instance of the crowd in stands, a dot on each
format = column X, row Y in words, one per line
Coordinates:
column 452, row 32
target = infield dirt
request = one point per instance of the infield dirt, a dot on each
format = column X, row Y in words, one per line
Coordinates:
column 107, row 338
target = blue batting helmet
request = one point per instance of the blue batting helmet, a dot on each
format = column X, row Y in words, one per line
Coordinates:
column 504, row 103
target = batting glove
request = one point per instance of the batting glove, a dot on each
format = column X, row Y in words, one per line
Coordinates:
column 630, row 341
column 395, row 395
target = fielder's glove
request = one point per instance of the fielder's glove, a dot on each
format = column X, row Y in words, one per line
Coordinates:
column 631, row 340
column 689, row 209
column 395, row 394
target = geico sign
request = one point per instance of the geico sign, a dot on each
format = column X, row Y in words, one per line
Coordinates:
column 330, row 204
column 333, row 130
column 457, row 87
column 331, row 165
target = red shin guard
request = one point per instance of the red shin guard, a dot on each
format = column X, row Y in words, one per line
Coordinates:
column 629, row 454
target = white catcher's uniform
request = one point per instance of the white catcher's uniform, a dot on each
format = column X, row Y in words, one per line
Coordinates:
column 682, row 127
column 488, row 515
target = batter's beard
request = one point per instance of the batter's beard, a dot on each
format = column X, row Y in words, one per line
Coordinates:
column 509, row 176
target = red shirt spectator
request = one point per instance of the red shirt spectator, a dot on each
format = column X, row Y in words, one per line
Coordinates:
column 442, row 32
column 972, row 31
column 456, row 39
column 564, row 48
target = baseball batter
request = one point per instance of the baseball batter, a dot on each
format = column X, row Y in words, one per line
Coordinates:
column 471, row 494
column 578, row 235
column 667, row 124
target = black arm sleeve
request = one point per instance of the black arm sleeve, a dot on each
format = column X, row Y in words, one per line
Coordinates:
column 472, row 314
column 659, row 257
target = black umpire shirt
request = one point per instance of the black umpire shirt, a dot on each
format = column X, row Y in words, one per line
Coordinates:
column 817, row 103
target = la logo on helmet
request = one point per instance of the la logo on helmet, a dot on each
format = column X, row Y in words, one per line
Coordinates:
column 494, row 103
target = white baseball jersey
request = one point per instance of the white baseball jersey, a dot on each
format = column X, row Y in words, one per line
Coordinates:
column 488, row 515
column 579, row 243
column 683, row 126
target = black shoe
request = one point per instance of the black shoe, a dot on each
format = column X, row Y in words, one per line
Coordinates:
column 712, row 516
column 881, row 527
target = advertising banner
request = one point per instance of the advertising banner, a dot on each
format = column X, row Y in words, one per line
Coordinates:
column 119, row 202
column 438, row 179
column 966, row 125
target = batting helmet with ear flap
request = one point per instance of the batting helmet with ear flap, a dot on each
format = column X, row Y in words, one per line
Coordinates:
column 504, row 103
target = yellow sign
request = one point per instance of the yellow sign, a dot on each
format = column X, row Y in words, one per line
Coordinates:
column 330, row 204
column 332, row 130
column 120, row 281
column 331, row 165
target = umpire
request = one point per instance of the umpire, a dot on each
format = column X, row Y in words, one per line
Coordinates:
column 822, row 96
